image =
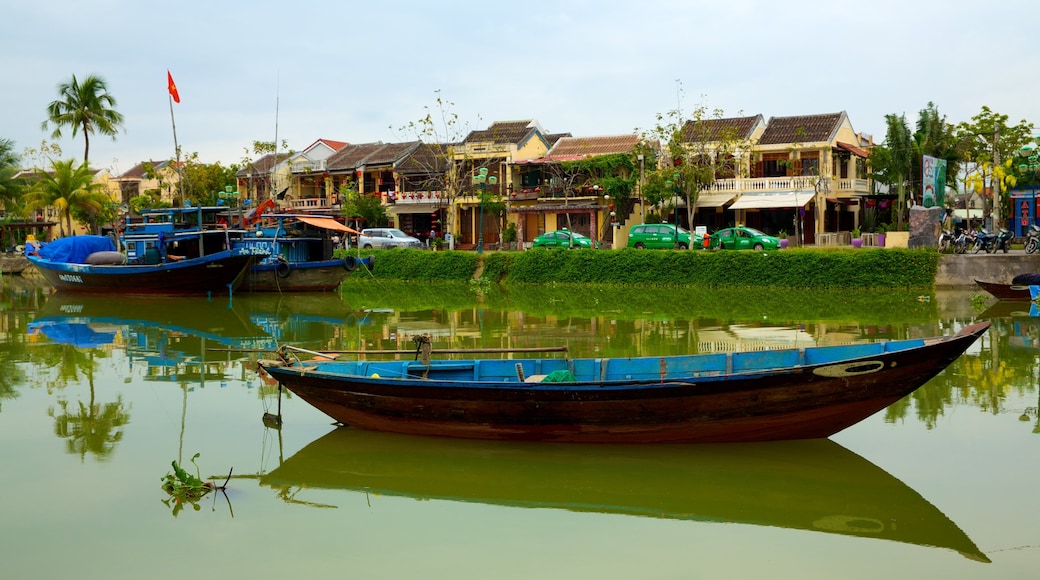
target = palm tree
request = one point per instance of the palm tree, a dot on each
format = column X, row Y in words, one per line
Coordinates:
column 10, row 188
column 86, row 107
column 67, row 187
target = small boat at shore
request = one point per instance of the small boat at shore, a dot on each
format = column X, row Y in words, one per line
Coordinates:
column 13, row 263
column 300, row 254
column 93, row 264
column 1015, row 291
column 795, row 393
column 813, row 486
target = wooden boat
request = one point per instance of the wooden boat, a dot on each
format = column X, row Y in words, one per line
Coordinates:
column 1016, row 292
column 726, row 397
column 816, row 486
column 13, row 263
column 64, row 264
column 299, row 254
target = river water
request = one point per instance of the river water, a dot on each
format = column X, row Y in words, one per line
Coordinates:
column 99, row 395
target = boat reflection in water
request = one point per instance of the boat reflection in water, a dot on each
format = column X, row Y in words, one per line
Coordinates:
column 163, row 332
column 814, row 485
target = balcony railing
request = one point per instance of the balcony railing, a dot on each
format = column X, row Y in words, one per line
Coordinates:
column 309, row 203
column 793, row 183
column 413, row 197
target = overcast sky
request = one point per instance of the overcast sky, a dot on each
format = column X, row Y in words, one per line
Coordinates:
column 358, row 71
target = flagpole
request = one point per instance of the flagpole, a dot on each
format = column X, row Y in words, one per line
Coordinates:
column 176, row 151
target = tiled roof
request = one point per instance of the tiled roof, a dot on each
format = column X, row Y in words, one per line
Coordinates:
column 579, row 147
column 427, row 158
column 513, row 132
column 335, row 145
column 262, row 166
column 390, row 153
column 137, row 171
column 552, row 138
column 711, row 130
column 351, row 156
column 801, row 129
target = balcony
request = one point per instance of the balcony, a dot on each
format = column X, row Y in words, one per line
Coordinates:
column 309, row 204
column 308, row 166
column 412, row 197
column 792, row 183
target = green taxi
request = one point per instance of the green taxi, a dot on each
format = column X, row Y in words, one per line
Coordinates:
column 661, row 237
column 743, row 238
column 563, row 239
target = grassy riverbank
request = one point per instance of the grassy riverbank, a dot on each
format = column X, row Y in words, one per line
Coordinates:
column 801, row 268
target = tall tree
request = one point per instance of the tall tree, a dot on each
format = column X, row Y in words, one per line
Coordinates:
column 10, row 187
column 989, row 145
column 445, row 168
column 85, row 107
column 696, row 150
column 65, row 187
column 892, row 161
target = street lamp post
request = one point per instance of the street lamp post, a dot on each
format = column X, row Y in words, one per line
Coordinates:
column 483, row 180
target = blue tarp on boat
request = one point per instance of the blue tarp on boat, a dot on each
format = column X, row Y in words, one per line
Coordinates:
column 74, row 249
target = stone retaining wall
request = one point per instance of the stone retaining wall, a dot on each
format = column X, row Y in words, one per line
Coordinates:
column 959, row 270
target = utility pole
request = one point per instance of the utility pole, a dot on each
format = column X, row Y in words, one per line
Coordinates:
column 995, row 183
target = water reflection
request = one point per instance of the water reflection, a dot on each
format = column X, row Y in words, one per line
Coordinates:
column 195, row 341
column 805, row 485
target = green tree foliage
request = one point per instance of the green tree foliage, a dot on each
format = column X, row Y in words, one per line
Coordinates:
column 362, row 207
column 85, row 107
column 11, row 188
column 892, row 161
column 898, row 161
column 202, row 182
column 988, row 145
column 68, row 186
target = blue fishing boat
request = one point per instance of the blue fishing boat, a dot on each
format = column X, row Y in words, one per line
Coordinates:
column 300, row 254
column 178, row 263
column 796, row 393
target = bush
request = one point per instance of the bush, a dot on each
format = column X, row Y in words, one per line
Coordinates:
column 802, row 268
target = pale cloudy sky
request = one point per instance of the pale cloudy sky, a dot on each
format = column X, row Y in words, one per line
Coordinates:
column 357, row 71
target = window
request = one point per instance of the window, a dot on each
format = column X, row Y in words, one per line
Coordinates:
column 810, row 163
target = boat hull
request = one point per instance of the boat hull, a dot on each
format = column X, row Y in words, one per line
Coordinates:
column 1015, row 292
column 219, row 272
column 804, row 401
column 317, row 276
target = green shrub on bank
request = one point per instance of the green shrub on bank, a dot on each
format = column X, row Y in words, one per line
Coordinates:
column 420, row 265
column 803, row 268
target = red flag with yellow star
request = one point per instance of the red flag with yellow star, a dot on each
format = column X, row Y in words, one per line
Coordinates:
column 173, row 87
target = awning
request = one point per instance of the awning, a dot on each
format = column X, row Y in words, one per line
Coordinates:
column 401, row 208
column 327, row 223
column 857, row 151
column 773, row 200
column 714, row 199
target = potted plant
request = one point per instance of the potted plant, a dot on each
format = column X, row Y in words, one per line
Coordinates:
column 857, row 241
column 881, row 231
column 509, row 236
column 782, row 235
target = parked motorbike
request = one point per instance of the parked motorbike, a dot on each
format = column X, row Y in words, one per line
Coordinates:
column 983, row 241
column 1002, row 241
column 1032, row 238
column 963, row 241
column 946, row 240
